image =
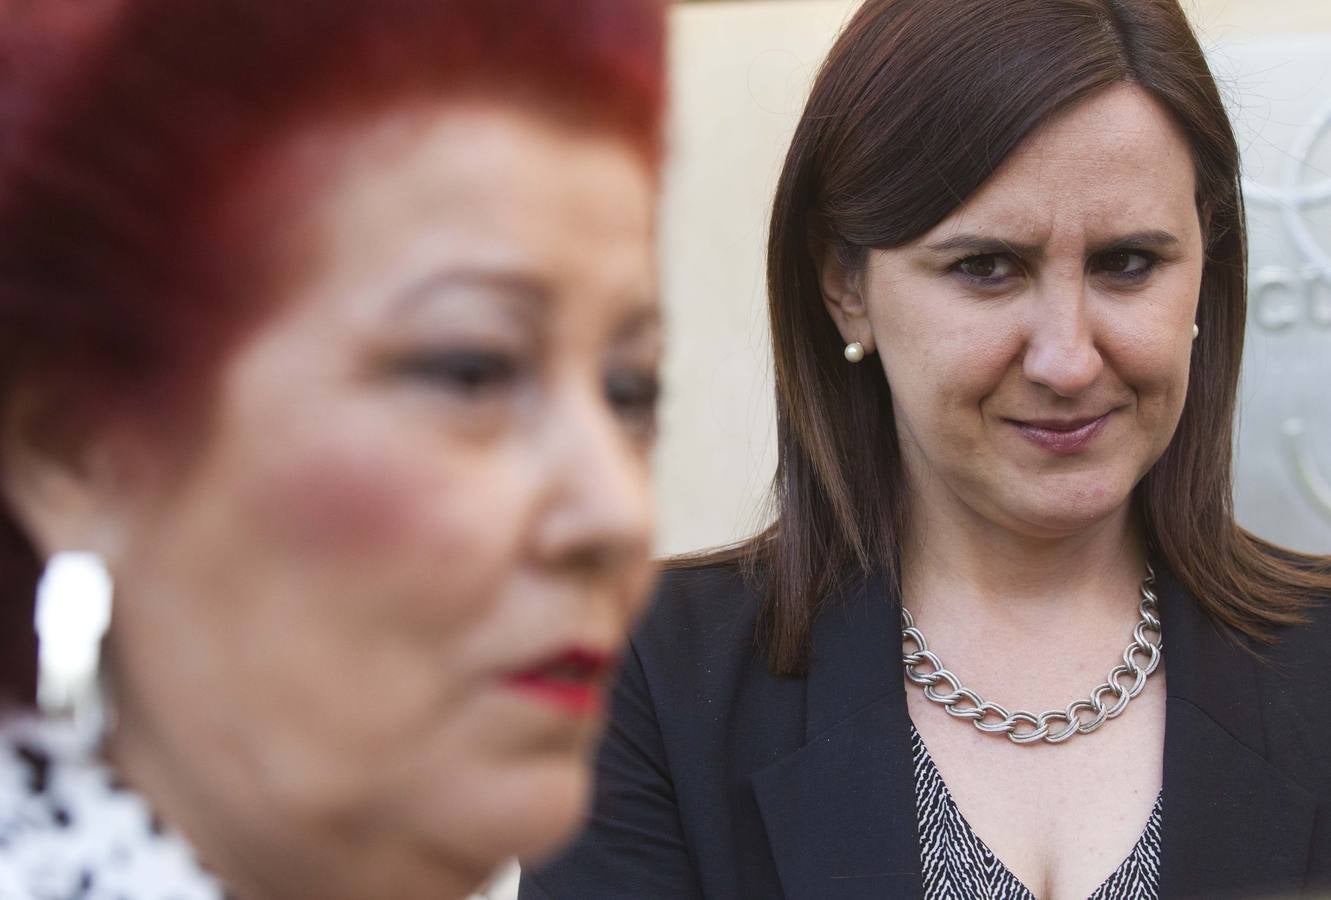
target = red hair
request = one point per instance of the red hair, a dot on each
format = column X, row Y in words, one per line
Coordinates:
column 126, row 124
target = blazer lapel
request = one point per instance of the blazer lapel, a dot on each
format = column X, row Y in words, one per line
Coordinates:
column 1230, row 818
column 840, row 812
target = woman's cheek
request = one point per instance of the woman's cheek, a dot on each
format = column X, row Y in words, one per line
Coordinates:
column 336, row 502
column 1151, row 360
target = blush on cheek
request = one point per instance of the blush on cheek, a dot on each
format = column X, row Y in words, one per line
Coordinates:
column 334, row 503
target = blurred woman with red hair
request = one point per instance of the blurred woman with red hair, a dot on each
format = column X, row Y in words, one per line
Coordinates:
column 328, row 329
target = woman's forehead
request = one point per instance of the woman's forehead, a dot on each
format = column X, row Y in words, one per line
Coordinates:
column 1114, row 163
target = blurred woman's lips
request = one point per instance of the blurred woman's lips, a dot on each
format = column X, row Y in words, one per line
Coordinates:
column 1061, row 436
column 573, row 680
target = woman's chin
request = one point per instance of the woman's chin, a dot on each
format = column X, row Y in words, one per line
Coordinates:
column 529, row 814
column 1065, row 510
column 556, row 814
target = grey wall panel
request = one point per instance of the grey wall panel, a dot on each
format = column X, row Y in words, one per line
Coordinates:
column 1279, row 91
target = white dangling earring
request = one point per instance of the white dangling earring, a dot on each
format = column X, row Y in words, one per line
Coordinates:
column 854, row 352
column 72, row 615
column 1196, row 330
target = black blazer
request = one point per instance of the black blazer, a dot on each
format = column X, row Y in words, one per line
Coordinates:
column 718, row 779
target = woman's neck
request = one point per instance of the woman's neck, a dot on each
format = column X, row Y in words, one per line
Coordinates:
column 256, row 851
column 967, row 565
column 1022, row 620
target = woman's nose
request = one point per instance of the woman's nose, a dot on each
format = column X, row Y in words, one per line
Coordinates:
column 597, row 514
column 1061, row 351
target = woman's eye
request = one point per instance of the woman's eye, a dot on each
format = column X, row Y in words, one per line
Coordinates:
column 465, row 371
column 635, row 396
column 1125, row 263
column 988, row 267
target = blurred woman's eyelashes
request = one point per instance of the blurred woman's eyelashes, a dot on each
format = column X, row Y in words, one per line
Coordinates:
column 632, row 392
column 635, row 396
column 469, row 372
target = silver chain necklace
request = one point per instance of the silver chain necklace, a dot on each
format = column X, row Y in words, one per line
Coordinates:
column 962, row 703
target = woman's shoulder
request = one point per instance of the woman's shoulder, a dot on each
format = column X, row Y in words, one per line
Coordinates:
column 1318, row 615
column 68, row 828
column 1295, row 678
column 697, row 638
column 701, row 602
column 708, row 584
column 1307, row 582
column 1307, row 642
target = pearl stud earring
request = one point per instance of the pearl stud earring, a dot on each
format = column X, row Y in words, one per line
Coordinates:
column 854, row 352
column 1196, row 330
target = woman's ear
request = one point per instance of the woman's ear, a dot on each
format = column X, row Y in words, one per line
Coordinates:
column 843, row 295
column 61, row 487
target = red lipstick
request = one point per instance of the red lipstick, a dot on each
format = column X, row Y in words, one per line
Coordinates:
column 1062, row 437
column 573, row 680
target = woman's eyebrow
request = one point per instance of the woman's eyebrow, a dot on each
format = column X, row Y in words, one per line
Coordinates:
column 983, row 245
column 1156, row 239
column 522, row 289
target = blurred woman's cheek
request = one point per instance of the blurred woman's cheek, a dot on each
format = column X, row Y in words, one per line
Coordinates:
column 339, row 501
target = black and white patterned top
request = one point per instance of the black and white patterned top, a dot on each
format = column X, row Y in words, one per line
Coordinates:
column 70, row 831
column 957, row 865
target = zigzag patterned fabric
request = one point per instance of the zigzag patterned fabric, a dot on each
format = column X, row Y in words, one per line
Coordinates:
column 70, row 831
column 957, row 865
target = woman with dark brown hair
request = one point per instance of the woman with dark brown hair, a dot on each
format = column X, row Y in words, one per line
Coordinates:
column 328, row 336
column 1007, row 295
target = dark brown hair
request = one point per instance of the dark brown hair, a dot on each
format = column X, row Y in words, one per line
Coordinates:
column 917, row 105
column 126, row 125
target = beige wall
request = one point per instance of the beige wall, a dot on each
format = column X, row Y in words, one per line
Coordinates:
column 740, row 72
column 739, row 75
column 1233, row 19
